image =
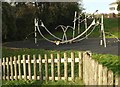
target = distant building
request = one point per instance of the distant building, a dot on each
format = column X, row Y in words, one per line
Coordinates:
column 113, row 7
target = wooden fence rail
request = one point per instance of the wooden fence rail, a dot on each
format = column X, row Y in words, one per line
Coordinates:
column 89, row 70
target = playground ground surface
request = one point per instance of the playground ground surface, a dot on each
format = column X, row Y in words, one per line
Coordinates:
column 91, row 44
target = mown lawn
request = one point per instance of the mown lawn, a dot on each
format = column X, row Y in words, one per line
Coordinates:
column 33, row 83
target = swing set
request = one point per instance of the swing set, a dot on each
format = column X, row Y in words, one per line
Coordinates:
column 95, row 22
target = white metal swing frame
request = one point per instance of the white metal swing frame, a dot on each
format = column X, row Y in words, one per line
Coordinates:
column 65, row 28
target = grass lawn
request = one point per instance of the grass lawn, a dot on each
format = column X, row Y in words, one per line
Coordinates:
column 34, row 83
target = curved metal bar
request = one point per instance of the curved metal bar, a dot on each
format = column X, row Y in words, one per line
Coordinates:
column 86, row 35
column 42, row 25
column 80, row 34
column 44, row 36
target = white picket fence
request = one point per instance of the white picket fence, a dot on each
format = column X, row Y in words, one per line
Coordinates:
column 89, row 70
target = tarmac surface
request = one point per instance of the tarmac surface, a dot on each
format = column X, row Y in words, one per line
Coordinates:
column 91, row 44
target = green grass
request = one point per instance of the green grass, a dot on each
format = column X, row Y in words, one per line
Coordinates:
column 60, row 83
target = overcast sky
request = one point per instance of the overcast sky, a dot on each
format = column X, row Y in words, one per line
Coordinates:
column 101, row 5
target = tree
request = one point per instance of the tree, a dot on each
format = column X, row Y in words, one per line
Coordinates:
column 25, row 14
column 18, row 20
column 118, row 8
column 8, row 22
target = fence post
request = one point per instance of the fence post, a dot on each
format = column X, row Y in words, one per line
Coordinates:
column 24, row 68
column 15, row 67
column 29, row 67
column 86, row 60
column 40, row 67
column 46, row 68
column 89, row 70
column 11, row 67
column 84, row 68
column 35, row 70
column 52, row 67
column 96, row 73
column 72, row 66
column 104, row 75
column 7, row 61
column 80, row 65
column 116, row 80
column 110, row 77
column 100, row 74
column 4, row 72
column 119, row 81
column 19, row 67
column 58, row 64
column 65, row 67
column 92, row 63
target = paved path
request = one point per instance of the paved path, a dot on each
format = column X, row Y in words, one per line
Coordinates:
column 91, row 44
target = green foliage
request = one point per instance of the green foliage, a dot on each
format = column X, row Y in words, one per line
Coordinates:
column 118, row 8
column 112, row 62
column 8, row 22
column 18, row 20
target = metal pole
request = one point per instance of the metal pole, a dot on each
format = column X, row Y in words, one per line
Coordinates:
column 74, row 24
column 35, row 31
column 103, row 39
column 78, row 23
column 86, row 25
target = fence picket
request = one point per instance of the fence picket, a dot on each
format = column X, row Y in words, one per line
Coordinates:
column 4, row 72
column 40, row 67
column 35, row 68
column 19, row 67
column 80, row 65
column 96, row 73
column 104, row 75
column 11, row 67
column 84, row 67
column 7, row 62
column 65, row 67
column 110, row 77
column 58, row 65
column 72, row 66
column 46, row 68
column 100, row 69
column 52, row 67
column 24, row 67
column 15, row 67
column 92, row 71
column 116, row 80
column 29, row 67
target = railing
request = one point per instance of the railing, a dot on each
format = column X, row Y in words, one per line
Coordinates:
column 38, row 68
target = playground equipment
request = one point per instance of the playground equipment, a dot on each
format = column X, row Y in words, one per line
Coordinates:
column 95, row 22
